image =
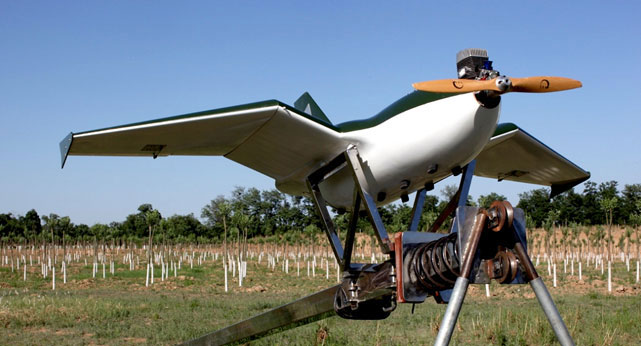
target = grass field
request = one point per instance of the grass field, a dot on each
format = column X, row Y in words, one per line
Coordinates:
column 120, row 310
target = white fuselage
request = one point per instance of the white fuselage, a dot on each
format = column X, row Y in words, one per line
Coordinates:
column 448, row 133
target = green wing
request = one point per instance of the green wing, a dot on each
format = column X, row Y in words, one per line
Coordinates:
column 270, row 137
column 513, row 154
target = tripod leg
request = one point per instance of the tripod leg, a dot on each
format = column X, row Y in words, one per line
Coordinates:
column 451, row 313
column 462, row 282
column 543, row 296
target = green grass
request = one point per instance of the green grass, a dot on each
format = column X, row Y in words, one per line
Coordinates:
column 120, row 310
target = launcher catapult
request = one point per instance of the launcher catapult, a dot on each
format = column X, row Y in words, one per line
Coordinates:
column 443, row 128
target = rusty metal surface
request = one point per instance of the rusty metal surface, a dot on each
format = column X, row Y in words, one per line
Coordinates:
column 503, row 268
column 526, row 263
column 447, row 211
column 468, row 252
column 400, row 268
column 486, row 265
column 305, row 310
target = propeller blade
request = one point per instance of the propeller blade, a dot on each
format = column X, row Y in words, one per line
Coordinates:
column 312, row 308
column 544, row 84
column 501, row 84
column 455, row 85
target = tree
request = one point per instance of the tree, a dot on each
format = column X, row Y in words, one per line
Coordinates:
column 33, row 224
column 81, row 232
column 550, row 232
column 570, row 207
column 216, row 211
column 449, row 191
column 51, row 222
column 485, row 201
column 576, row 235
column 184, row 228
column 586, row 231
column 635, row 221
column 591, row 209
column 242, row 222
column 135, row 225
column 64, row 226
column 11, row 229
column 621, row 242
column 630, row 196
column 98, row 231
column 597, row 236
column 565, row 231
column 396, row 217
column 536, row 204
column 608, row 190
column 628, row 237
column 152, row 218
column 607, row 205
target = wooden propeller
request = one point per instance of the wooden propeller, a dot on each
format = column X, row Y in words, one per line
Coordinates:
column 502, row 84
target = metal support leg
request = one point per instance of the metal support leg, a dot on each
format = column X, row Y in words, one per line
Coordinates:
column 464, row 190
column 451, row 313
column 330, row 230
column 555, row 319
column 459, row 200
column 349, row 159
column 351, row 233
column 417, row 210
column 353, row 160
column 543, row 296
column 462, row 282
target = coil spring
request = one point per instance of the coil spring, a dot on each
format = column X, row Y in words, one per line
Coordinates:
column 436, row 264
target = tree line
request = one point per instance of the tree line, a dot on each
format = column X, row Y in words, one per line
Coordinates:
column 251, row 213
column 597, row 204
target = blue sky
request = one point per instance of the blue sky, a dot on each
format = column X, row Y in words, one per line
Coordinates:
column 75, row 66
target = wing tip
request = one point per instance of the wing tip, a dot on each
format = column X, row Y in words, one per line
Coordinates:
column 65, row 146
column 562, row 187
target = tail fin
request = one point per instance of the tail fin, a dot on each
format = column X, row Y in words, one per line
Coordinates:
column 307, row 104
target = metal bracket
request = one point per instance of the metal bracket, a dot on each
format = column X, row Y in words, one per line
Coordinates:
column 459, row 198
column 516, row 239
column 349, row 158
column 352, row 157
column 417, row 210
column 463, row 192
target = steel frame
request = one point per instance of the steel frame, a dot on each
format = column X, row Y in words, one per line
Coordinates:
column 529, row 272
column 381, row 277
column 314, row 307
column 349, row 158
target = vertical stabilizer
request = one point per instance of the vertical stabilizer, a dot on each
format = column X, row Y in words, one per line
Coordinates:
column 306, row 103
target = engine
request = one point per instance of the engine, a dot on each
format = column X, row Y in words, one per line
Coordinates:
column 473, row 63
